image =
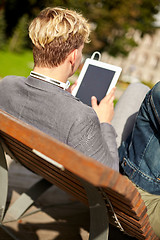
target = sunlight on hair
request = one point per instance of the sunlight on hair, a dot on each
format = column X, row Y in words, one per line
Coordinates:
column 54, row 23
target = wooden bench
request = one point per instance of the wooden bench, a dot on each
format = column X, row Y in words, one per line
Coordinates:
column 107, row 192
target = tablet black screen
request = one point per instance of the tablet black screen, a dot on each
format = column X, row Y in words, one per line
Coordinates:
column 96, row 82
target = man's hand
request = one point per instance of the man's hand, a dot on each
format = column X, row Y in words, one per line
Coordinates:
column 105, row 110
column 70, row 89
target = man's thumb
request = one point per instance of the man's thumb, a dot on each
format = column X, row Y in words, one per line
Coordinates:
column 93, row 101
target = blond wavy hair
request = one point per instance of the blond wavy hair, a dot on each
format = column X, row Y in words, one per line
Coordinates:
column 55, row 32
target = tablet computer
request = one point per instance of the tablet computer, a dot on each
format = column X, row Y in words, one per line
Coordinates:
column 96, row 79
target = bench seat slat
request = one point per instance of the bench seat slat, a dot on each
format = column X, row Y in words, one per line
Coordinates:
column 139, row 209
column 53, row 174
column 117, row 195
column 28, row 153
column 135, row 224
column 57, row 181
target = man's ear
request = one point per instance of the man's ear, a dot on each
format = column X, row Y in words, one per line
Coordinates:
column 72, row 56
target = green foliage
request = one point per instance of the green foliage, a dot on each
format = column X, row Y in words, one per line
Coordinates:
column 111, row 20
column 122, row 46
column 2, row 30
column 18, row 41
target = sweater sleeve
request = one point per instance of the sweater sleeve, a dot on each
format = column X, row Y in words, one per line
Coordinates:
column 95, row 140
column 109, row 135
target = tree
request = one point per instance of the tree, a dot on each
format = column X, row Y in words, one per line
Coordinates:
column 2, row 30
column 18, row 41
column 113, row 21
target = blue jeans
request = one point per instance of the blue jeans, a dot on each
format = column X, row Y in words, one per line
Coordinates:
column 124, row 119
column 140, row 153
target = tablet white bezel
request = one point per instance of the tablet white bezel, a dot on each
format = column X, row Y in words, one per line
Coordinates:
column 90, row 61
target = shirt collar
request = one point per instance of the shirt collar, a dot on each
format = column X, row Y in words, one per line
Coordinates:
column 50, row 80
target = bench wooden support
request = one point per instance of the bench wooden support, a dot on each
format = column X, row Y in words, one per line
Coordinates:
column 20, row 206
column 99, row 221
column 89, row 181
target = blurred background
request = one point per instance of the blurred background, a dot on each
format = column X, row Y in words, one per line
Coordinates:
column 126, row 33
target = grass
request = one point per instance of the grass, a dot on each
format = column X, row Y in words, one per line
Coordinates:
column 15, row 63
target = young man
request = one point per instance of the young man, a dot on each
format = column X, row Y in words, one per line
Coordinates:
column 58, row 36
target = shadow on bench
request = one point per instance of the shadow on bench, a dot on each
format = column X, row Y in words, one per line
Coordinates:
column 107, row 193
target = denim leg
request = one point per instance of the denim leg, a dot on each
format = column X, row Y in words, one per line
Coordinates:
column 155, row 105
column 141, row 157
column 148, row 120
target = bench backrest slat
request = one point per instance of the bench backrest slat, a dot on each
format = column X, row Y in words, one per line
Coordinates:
column 22, row 138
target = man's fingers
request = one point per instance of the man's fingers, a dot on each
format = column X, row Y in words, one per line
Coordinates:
column 93, row 102
column 112, row 92
column 110, row 96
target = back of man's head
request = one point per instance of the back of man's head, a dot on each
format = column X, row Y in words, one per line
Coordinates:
column 56, row 32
